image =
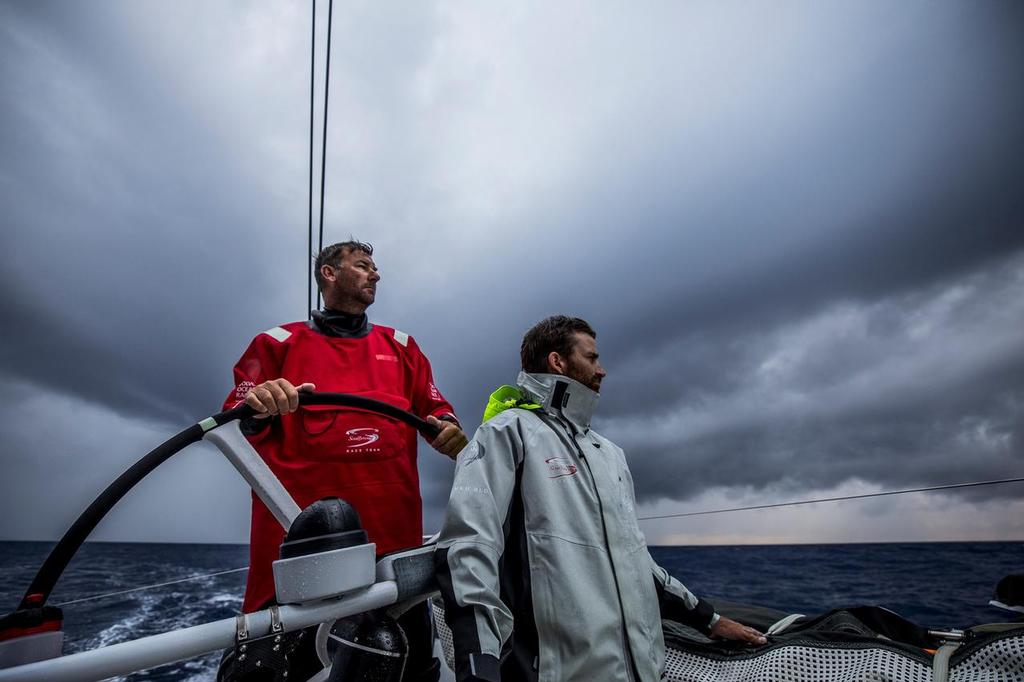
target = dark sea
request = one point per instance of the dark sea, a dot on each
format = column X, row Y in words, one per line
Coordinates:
column 933, row 584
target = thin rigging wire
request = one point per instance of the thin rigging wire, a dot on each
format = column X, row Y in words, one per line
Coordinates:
column 309, row 248
column 323, row 152
column 151, row 587
column 639, row 518
column 832, row 499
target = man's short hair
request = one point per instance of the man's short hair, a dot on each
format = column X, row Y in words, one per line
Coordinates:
column 556, row 333
column 332, row 255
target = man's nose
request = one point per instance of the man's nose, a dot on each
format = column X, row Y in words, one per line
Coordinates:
column 374, row 276
column 600, row 372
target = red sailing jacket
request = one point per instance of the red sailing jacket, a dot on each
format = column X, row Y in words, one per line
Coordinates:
column 322, row 451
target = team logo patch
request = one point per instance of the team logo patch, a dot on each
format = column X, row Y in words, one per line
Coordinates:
column 242, row 389
column 434, row 393
column 361, row 437
column 559, row 467
column 387, row 358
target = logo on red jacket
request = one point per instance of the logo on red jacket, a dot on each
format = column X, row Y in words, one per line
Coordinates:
column 559, row 466
column 243, row 388
column 361, row 437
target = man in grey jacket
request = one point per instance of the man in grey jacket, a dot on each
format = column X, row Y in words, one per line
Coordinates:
column 544, row 571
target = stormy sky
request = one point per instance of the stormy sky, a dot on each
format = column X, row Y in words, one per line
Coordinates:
column 798, row 229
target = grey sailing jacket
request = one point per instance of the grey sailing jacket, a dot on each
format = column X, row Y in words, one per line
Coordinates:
column 543, row 569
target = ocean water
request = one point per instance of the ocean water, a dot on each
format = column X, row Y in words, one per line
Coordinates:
column 103, row 568
column 933, row 584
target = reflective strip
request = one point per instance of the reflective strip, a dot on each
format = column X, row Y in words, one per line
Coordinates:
column 278, row 333
column 363, row 647
column 402, row 338
column 783, row 625
column 208, row 424
column 1008, row 607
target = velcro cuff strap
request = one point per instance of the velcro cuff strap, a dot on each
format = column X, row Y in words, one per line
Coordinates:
column 480, row 667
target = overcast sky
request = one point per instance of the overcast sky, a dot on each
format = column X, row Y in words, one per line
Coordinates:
column 798, row 229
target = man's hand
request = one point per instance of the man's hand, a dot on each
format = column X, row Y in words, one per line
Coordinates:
column 277, row 396
column 726, row 628
column 451, row 440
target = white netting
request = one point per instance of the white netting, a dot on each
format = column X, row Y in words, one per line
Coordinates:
column 444, row 633
column 798, row 664
column 1000, row 661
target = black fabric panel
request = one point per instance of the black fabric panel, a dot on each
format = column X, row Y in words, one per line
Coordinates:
column 1010, row 590
column 758, row 617
column 857, row 627
column 421, row 666
column 523, row 647
column 460, row 619
column 876, row 620
column 414, row 575
column 558, row 395
column 484, row 668
column 674, row 608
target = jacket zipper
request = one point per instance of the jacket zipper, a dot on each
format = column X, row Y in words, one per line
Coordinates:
column 630, row 665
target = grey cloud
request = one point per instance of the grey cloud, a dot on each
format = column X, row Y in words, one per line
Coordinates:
column 709, row 186
column 130, row 238
column 919, row 389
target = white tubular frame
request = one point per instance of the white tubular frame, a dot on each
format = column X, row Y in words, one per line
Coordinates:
column 177, row 645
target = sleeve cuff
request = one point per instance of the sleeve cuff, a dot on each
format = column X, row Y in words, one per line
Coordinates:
column 449, row 417
column 479, row 668
column 714, row 621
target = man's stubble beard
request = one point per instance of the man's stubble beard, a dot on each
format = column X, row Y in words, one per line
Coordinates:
column 584, row 377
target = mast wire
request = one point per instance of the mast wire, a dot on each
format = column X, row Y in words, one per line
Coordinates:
column 639, row 518
column 323, row 153
column 309, row 202
column 831, row 499
column 151, row 587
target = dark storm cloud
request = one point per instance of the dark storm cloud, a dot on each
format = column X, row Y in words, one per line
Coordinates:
column 797, row 231
column 925, row 388
column 122, row 255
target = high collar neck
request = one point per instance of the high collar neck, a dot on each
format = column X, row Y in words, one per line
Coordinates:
column 344, row 325
column 561, row 396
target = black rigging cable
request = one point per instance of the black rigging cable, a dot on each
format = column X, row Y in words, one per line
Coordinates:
column 832, row 499
column 323, row 152
column 309, row 247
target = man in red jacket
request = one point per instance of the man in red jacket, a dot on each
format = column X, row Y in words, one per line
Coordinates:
column 327, row 451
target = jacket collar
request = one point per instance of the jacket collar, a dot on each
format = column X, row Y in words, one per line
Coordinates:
column 561, row 396
column 342, row 325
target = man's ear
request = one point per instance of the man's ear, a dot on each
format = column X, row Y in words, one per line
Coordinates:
column 327, row 272
column 556, row 363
